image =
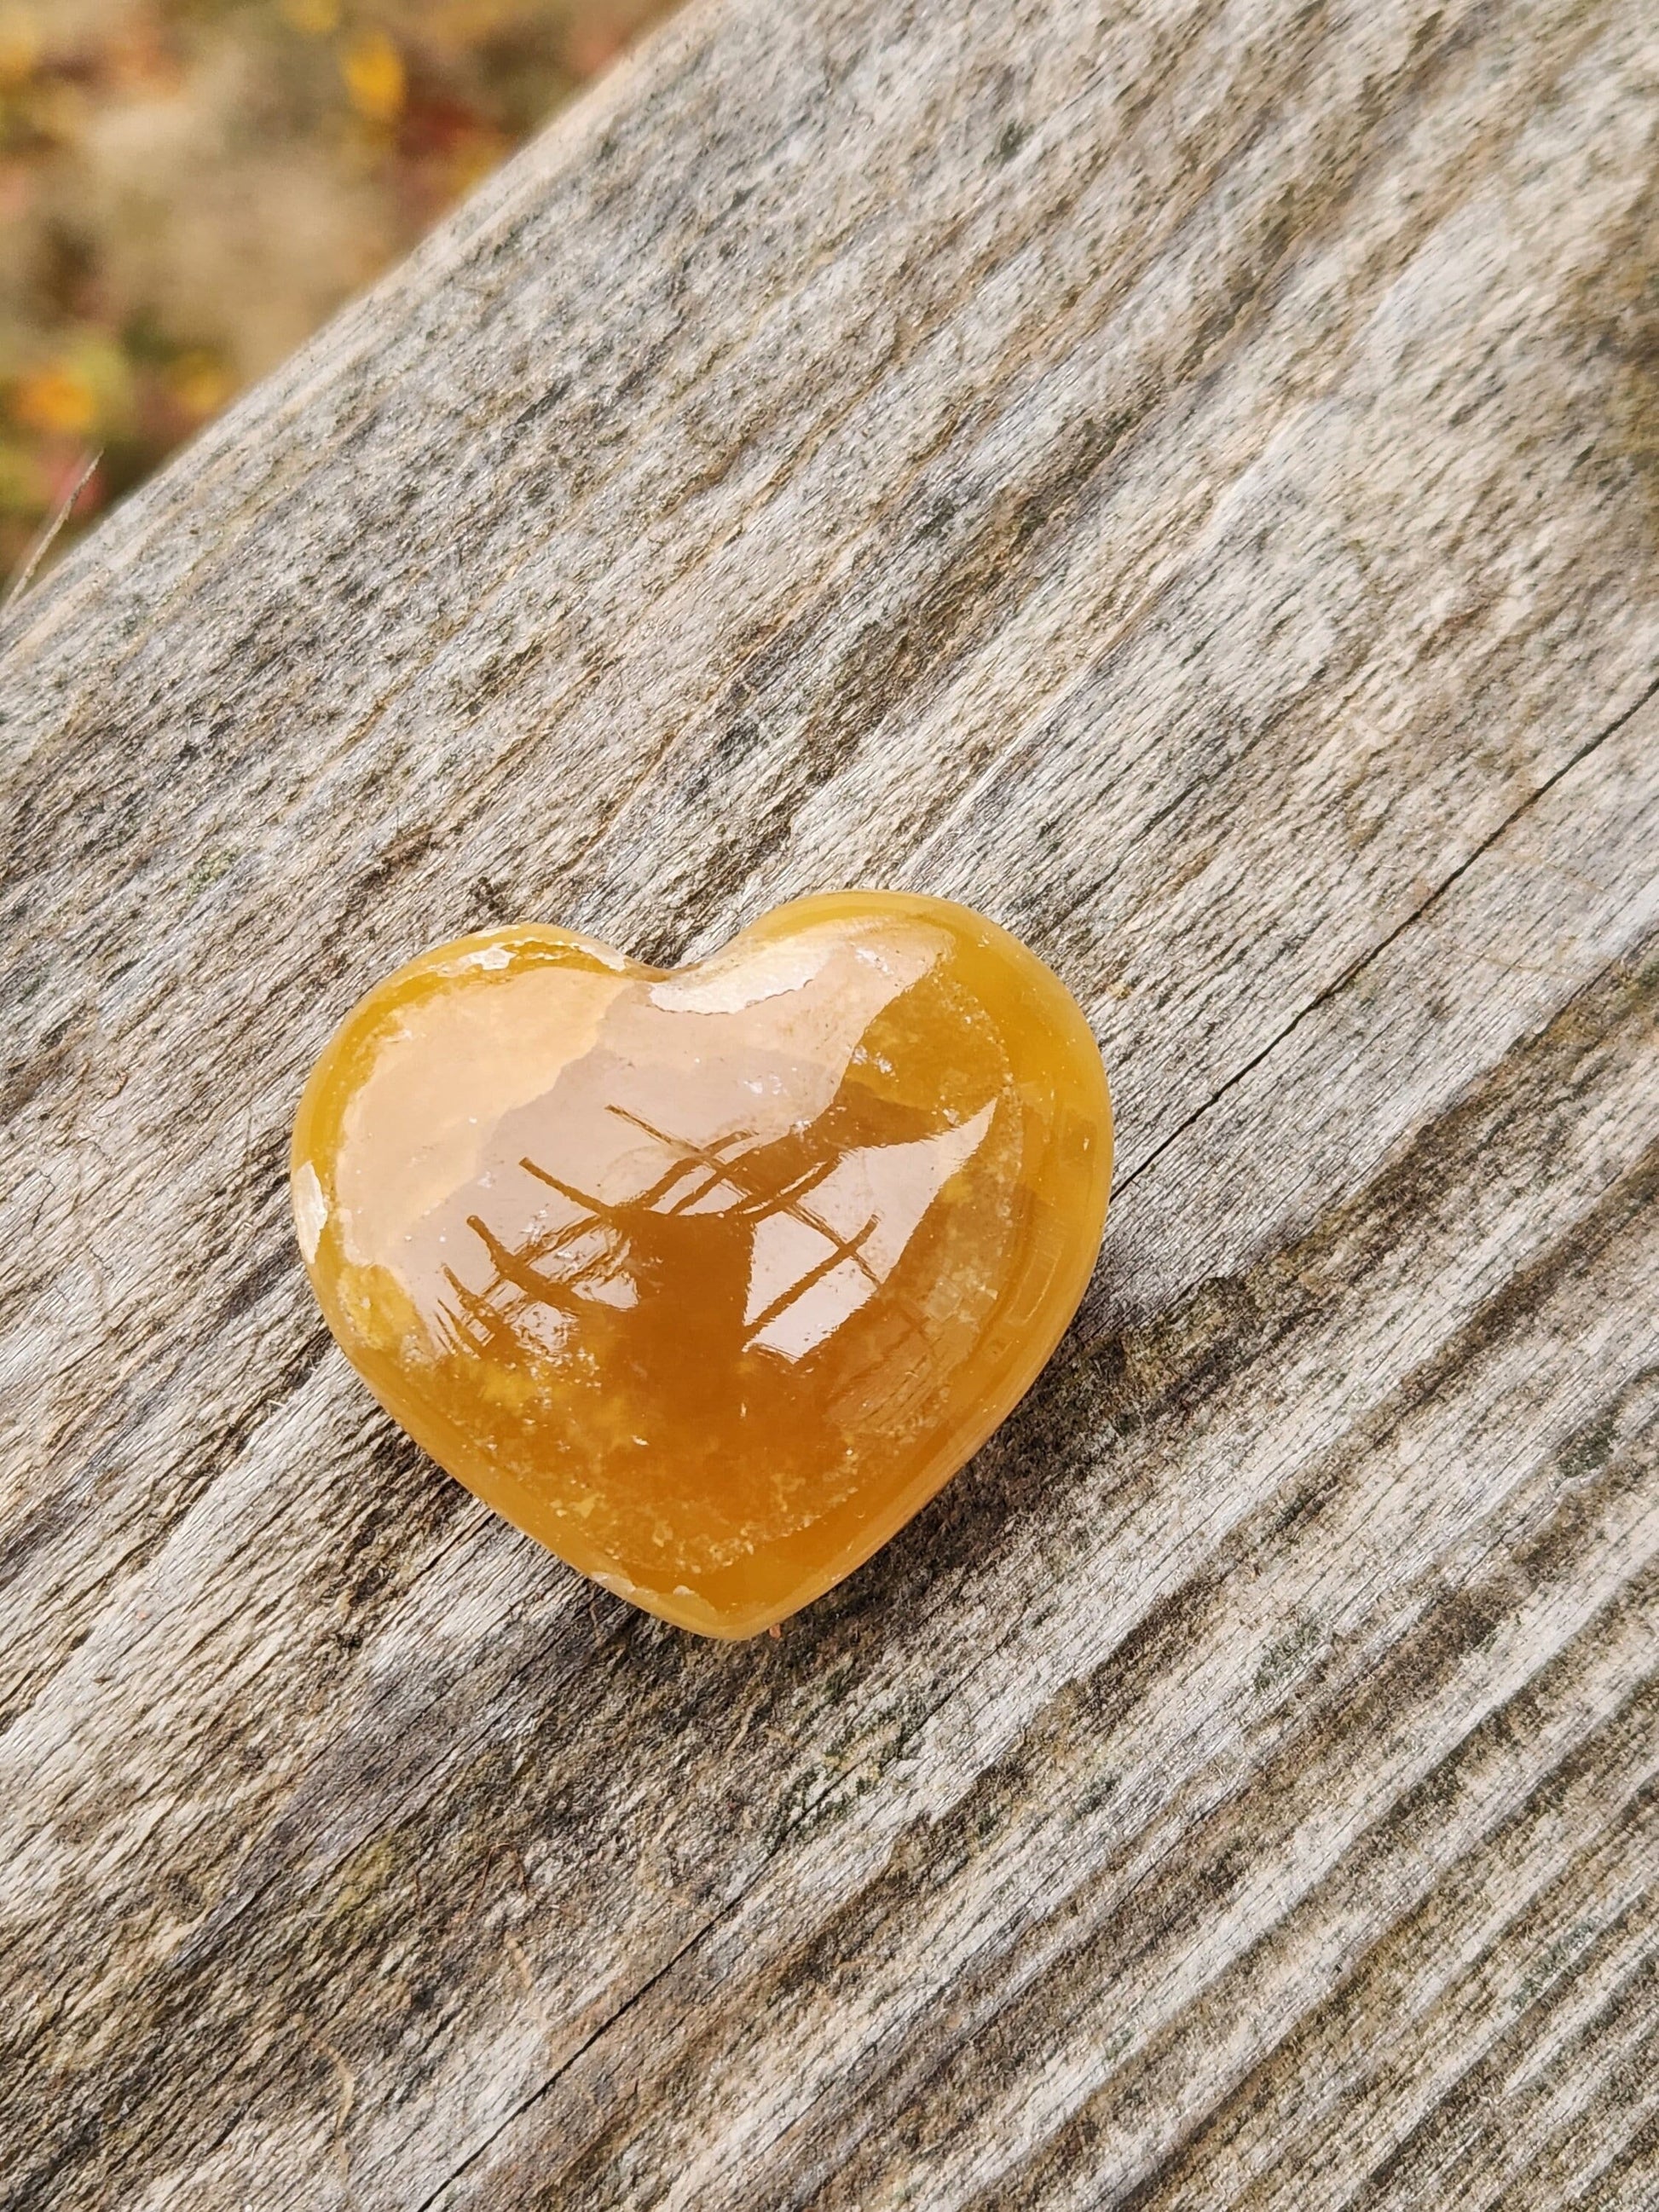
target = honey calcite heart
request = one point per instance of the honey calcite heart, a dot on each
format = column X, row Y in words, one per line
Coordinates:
column 709, row 1279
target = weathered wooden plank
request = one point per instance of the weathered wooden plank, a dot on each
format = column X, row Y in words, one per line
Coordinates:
column 1182, row 477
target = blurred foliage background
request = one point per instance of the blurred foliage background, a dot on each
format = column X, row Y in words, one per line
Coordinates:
column 188, row 187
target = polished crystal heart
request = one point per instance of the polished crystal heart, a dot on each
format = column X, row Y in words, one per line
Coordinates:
column 709, row 1279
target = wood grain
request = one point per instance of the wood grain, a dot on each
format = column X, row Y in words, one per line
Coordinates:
column 1183, row 477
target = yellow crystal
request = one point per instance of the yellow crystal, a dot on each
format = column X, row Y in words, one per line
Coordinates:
column 709, row 1279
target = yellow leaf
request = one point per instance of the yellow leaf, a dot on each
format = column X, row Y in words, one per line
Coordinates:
column 58, row 402
column 314, row 19
column 200, row 382
column 373, row 72
column 20, row 45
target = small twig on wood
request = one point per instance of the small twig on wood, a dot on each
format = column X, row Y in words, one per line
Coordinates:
column 47, row 537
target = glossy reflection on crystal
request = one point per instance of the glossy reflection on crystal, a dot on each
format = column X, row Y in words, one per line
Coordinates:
column 709, row 1279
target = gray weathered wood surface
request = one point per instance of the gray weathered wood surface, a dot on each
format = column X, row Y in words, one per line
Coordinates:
column 1183, row 476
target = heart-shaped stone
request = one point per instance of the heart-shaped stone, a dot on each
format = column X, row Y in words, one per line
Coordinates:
column 709, row 1279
